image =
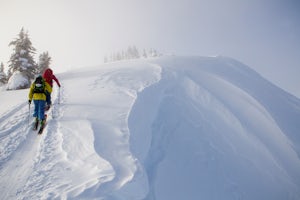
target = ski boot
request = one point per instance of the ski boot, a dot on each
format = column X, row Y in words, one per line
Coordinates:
column 36, row 124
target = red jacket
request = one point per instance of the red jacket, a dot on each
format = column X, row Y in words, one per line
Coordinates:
column 49, row 77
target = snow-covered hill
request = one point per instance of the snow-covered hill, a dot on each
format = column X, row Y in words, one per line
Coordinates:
column 167, row 128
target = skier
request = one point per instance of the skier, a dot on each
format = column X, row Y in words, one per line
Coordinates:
column 49, row 77
column 38, row 90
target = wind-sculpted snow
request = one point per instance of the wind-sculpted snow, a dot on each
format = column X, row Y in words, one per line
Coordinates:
column 168, row 128
column 213, row 130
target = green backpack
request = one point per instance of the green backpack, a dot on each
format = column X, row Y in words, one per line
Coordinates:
column 39, row 85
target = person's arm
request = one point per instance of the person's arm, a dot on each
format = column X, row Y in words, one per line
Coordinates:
column 56, row 80
column 30, row 95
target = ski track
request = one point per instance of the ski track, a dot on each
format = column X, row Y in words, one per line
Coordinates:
column 21, row 150
column 12, row 133
column 16, row 151
column 36, row 186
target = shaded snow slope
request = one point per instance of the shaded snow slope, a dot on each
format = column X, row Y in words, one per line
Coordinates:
column 218, row 131
column 168, row 128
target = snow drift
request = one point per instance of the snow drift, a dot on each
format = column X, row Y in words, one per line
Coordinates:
column 166, row 128
column 18, row 81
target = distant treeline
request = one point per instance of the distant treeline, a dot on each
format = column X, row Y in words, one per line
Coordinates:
column 131, row 53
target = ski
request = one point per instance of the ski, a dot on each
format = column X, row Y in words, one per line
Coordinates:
column 43, row 125
column 35, row 125
column 41, row 129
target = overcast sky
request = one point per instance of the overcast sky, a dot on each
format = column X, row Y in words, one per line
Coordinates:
column 263, row 34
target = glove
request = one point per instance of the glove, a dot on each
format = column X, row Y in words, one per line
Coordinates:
column 29, row 101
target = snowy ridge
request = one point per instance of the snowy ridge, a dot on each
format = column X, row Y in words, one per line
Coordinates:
column 167, row 128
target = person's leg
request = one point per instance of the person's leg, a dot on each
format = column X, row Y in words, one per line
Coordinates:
column 48, row 99
column 41, row 110
column 43, row 104
column 35, row 114
column 36, row 108
column 50, row 102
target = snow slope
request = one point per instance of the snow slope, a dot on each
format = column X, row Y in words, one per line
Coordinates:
column 167, row 128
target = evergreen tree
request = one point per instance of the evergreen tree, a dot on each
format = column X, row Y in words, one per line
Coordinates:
column 135, row 52
column 105, row 59
column 145, row 54
column 119, row 56
column 2, row 74
column 151, row 52
column 154, row 53
column 44, row 62
column 22, row 58
column 129, row 53
column 132, row 52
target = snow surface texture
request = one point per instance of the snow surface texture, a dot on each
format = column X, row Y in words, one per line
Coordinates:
column 168, row 128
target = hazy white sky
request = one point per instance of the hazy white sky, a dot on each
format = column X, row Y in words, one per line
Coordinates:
column 264, row 34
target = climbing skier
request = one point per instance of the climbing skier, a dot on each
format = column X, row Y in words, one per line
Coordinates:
column 49, row 77
column 38, row 91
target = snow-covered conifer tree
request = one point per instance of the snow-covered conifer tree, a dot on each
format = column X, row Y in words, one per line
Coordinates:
column 2, row 74
column 21, row 59
column 145, row 54
column 44, row 62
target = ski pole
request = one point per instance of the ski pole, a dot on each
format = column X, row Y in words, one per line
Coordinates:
column 28, row 114
column 59, row 95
